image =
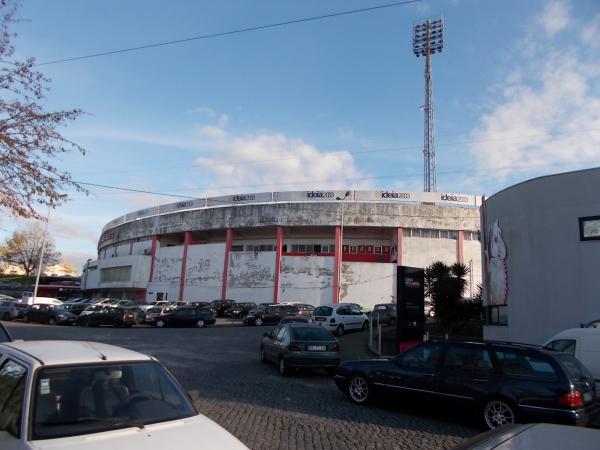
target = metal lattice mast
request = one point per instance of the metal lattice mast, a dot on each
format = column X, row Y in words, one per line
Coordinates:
column 427, row 40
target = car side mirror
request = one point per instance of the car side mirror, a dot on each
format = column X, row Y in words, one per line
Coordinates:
column 194, row 396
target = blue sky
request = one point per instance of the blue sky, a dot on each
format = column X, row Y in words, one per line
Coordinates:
column 324, row 104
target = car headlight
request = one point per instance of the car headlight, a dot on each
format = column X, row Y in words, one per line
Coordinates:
column 61, row 316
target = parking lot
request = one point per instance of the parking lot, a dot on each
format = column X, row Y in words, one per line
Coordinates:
column 261, row 408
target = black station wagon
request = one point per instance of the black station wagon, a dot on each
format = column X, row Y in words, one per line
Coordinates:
column 503, row 383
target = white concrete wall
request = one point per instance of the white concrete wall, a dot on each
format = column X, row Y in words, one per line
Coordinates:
column 140, row 272
column 368, row 283
column 421, row 252
column 251, row 276
column 139, row 247
column 204, row 272
column 308, row 279
column 472, row 252
column 122, row 250
column 167, row 273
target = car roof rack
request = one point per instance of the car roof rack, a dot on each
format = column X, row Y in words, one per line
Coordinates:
column 487, row 341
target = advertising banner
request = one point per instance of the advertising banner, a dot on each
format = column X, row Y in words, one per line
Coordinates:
column 312, row 196
column 182, row 205
column 229, row 200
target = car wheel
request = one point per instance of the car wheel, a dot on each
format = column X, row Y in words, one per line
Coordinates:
column 339, row 331
column 258, row 321
column 25, row 318
column 365, row 325
column 200, row 323
column 283, row 370
column 51, row 321
column 498, row 412
column 359, row 390
column 6, row 316
column 263, row 357
column 160, row 324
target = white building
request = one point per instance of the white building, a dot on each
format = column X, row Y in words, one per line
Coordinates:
column 542, row 254
column 283, row 246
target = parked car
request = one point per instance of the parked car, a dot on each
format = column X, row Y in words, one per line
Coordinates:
column 294, row 319
column 583, row 344
column 199, row 304
column 384, row 313
column 297, row 345
column 187, row 317
column 113, row 316
column 153, row 314
column 305, row 309
column 89, row 395
column 78, row 306
column 240, row 309
column 220, row 306
column 340, row 318
column 11, row 309
column 41, row 300
column 503, row 383
column 92, row 308
column 270, row 315
column 533, row 436
column 50, row 314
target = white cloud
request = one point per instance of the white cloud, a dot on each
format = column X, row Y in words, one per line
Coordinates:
column 204, row 110
column 555, row 17
column 546, row 114
column 590, row 33
column 273, row 161
column 211, row 131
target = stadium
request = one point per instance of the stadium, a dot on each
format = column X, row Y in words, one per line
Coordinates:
column 316, row 247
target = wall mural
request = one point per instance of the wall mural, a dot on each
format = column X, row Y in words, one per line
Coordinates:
column 496, row 265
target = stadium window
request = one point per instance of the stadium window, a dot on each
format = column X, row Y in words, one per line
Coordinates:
column 386, row 249
column 301, row 248
column 318, row 248
column 353, row 249
column 310, row 248
column 377, row 249
column 295, row 248
column 237, row 248
column 453, row 234
column 361, row 249
column 344, row 249
column 284, row 248
column 369, row 249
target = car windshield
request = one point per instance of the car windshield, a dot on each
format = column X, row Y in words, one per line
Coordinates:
column 77, row 400
column 312, row 334
column 323, row 311
column 155, row 310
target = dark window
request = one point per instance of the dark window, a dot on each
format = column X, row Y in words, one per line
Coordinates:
column 575, row 369
column 465, row 359
column 237, row 248
column 589, row 228
column 563, row 345
column 312, row 334
column 317, row 248
column 518, row 364
column 496, row 315
column 284, row 248
column 323, row 311
column 377, row 249
column 12, row 389
column 424, row 357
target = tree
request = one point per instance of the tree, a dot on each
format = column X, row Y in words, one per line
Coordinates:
column 446, row 285
column 30, row 136
column 23, row 249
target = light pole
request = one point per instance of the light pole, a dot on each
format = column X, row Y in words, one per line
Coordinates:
column 39, row 270
column 339, row 250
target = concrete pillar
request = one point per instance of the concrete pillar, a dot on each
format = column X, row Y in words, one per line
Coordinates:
column 459, row 247
column 186, row 242
column 278, row 250
column 228, row 244
column 337, row 263
column 155, row 239
column 399, row 242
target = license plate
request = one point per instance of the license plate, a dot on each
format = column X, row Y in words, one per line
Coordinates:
column 320, row 319
column 317, row 348
column 587, row 397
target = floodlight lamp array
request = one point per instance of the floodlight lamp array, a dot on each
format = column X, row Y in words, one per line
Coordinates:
column 428, row 37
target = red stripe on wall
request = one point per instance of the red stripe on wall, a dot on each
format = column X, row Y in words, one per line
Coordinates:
column 186, row 242
column 278, row 250
column 155, row 239
column 228, row 244
column 399, row 246
column 337, row 264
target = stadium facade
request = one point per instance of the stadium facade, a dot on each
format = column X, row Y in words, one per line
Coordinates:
column 317, row 247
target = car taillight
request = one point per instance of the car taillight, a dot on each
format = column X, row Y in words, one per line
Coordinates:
column 335, row 347
column 332, row 320
column 294, row 348
column 573, row 398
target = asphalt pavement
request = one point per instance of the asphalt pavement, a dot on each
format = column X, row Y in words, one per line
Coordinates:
column 263, row 409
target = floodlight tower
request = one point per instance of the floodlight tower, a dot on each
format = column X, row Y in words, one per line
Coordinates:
column 428, row 39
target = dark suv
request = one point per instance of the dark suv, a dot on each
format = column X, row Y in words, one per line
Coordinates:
column 502, row 382
column 384, row 313
column 271, row 314
column 220, row 306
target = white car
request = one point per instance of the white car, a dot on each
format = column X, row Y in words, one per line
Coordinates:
column 88, row 395
column 340, row 317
